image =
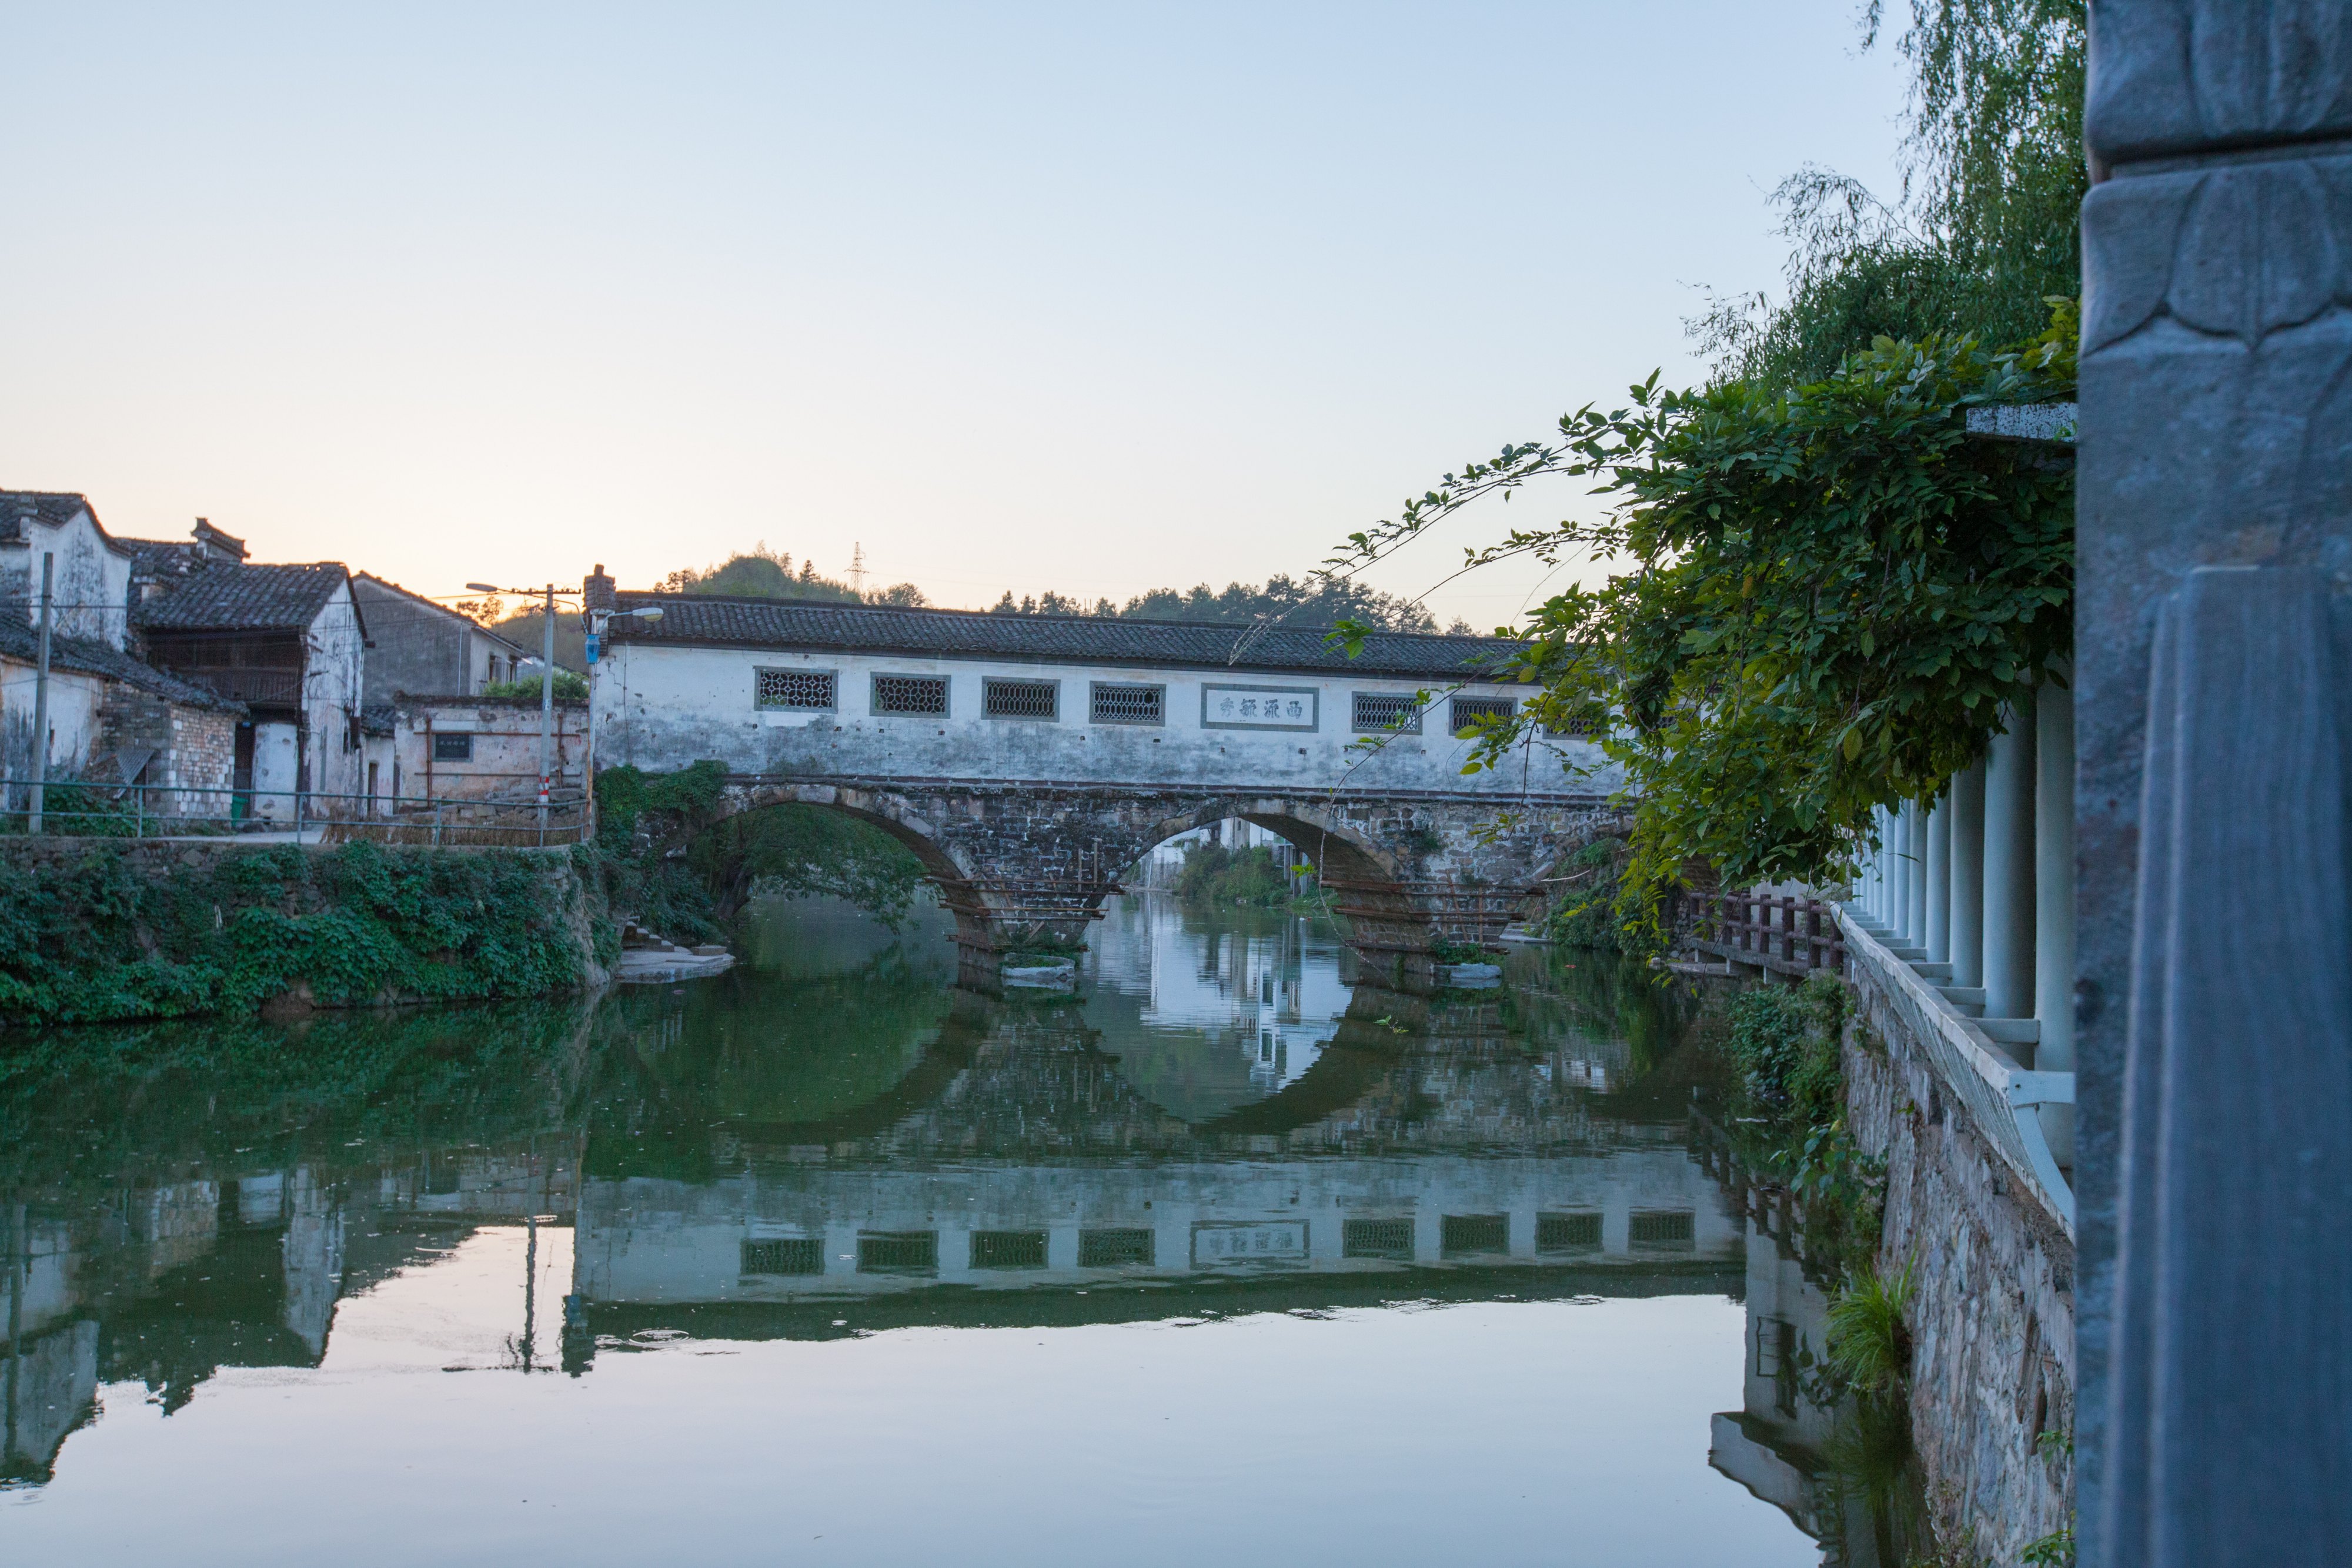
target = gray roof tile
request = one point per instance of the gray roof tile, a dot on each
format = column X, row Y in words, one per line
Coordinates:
column 229, row 596
column 21, row 640
column 696, row 619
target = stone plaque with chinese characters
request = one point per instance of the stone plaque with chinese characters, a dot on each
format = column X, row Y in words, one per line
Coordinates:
column 1257, row 707
column 1218, row 1244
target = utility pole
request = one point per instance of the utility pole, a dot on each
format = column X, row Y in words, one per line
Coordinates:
column 546, row 708
column 858, row 569
column 41, row 701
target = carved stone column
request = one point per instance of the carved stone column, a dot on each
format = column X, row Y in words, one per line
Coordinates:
column 2213, row 1008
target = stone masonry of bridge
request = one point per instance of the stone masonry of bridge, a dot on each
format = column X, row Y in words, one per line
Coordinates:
column 1029, row 760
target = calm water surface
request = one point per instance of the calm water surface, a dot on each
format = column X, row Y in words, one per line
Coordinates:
column 1231, row 1259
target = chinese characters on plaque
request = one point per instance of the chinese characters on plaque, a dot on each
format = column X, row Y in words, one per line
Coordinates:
column 1258, row 707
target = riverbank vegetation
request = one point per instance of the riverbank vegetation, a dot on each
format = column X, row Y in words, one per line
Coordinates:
column 1214, row 874
column 109, row 936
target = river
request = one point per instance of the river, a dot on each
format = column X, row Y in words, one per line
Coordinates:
column 1231, row 1258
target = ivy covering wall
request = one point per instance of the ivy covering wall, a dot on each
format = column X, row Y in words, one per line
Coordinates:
column 119, row 933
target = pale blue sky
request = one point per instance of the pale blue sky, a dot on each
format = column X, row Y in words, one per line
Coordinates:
column 1087, row 297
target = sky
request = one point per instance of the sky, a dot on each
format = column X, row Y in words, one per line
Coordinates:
column 1089, row 299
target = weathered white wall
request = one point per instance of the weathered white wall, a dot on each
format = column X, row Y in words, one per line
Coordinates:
column 74, row 700
column 505, row 742
column 92, row 582
column 334, row 668
column 661, row 707
column 276, row 757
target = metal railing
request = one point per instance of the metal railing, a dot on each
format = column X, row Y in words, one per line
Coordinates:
column 99, row 808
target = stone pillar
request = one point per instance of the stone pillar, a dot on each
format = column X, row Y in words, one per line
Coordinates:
column 1898, row 877
column 2213, row 523
column 1938, row 915
column 1968, row 876
column 2009, row 871
column 2054, row 902
column 1915, row 875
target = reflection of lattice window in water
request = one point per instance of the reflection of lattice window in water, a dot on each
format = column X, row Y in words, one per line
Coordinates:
column 1023, row 699
column 807, row 690
column 784, row 1255
column 1568, row 1232
column 926, row 695
column 1114, row 1249
column 897, row 1252
column 1383, row 712
column 1116, row 704
column 1390, row 1239
column 1478, row 711
column 1008, row 1248
column 1467, row 1233
column 1669, row 1229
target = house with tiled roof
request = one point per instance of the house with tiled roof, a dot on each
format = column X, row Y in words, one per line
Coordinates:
column 288, row 642
column 111, row 717
column 417, row 645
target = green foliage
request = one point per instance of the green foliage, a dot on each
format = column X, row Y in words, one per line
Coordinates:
column 1869, row 1341
column 1586, row 915
column 357, row 926
column 1318, row 601
column 1987, row 227
column 1784, row 1040
column 2056, row 1550
column 1216, row 875
column 1833, row 594
column 570, row 686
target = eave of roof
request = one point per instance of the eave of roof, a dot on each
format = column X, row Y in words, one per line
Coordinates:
column 22, row 642
column 813, row 626
column 244, row 596
column 55, row 508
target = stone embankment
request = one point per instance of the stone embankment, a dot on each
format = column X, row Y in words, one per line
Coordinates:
column 1992, row 1257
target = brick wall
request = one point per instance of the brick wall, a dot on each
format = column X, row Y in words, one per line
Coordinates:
column 194, row 749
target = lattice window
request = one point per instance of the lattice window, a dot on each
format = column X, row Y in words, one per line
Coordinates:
column 897, row 1252
column 1114, row 1249
column 1661, row 1227
column 1023, row 699
column 784, row 1255
column 1469, row 711
column 1568, row 1232
column 1008, row 1248
column 1378, row 713
column 921, row 695
column 807, row 690
column 1116, row 704
column 1464, row 1233
column 1390, row 1239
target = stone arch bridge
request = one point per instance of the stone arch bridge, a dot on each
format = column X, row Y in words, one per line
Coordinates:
column 1029, row 760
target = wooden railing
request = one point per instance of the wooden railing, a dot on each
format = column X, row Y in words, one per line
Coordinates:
column 1788, row 935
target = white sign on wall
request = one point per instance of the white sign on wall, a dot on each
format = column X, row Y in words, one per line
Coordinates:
column 1257, row 707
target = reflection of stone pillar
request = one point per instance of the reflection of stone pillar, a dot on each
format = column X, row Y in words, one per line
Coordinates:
column 1968, row 876
column 2214, row 1149
column 2009, row 872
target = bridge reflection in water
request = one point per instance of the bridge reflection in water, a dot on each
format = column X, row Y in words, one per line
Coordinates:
column 1225, row 1122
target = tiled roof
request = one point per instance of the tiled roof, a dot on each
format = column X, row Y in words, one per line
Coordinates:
column 232, row 596
column 20, row 641
column 379, row 718
column 52, row 506
column 710, row 620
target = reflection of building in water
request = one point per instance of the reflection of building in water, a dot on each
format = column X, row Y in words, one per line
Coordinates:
column 1268, row 990
column 821, row 1230
column 167, row 1284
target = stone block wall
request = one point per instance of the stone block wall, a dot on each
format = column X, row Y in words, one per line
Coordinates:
column 194, row 749
column 1993, row 1276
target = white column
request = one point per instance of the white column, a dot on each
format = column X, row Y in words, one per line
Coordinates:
column 1915, row 874
column 2053, row 903
column 2009, row 871
column 1968, row 876
column 1899, row 875
column 1939, row 938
